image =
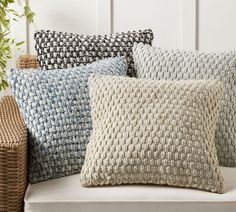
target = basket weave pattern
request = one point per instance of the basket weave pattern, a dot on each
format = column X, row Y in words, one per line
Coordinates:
column 13, row 156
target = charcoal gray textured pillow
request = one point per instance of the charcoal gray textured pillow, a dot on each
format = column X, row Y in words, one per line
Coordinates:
column 155, row 63
column 65, row 50
column 156, row 132
column 55, row 106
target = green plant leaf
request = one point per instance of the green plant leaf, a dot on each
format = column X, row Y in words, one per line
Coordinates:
column 4, row 3
column 29, row 14
column 4, row 84
column 7, row 16
column 20, row 43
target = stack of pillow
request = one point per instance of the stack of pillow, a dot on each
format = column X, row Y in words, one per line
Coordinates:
column 87, row 112
column 55, row 103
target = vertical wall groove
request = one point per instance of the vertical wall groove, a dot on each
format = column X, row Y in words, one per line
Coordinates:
column 111, row 13
column 104, row 19
column 27, row 34
column 197, row 25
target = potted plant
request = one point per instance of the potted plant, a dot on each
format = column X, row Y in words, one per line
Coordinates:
column 7, row 43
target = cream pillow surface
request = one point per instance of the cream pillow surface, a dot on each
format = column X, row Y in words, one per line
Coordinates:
column 153, row 132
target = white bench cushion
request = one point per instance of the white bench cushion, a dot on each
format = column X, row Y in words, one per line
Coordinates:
column 67, row 194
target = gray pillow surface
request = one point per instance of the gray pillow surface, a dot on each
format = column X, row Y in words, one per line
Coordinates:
column 160, row 64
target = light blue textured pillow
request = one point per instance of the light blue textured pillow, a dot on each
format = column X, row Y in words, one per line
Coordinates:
column 161, row 64
column 56, row 110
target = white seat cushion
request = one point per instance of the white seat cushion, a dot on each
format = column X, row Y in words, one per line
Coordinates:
column 67, row 194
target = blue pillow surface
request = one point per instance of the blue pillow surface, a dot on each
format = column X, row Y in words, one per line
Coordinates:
column 56, row 110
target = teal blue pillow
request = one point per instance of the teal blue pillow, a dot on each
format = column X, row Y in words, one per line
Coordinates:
column 56, row 110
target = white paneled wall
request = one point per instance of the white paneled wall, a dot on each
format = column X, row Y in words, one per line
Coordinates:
column 63, row 15
column 164, row 17
column 205, row 25
column 217, row 24
column 193, row 24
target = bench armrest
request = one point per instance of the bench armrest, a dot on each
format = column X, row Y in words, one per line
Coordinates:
column 13, row 156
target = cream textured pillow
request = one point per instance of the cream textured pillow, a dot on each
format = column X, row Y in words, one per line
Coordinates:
column 153, row 132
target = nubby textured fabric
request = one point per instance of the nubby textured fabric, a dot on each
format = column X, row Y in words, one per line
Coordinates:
column 66, row 50
column 153, row 132
column 160, row 64
column 56, row 110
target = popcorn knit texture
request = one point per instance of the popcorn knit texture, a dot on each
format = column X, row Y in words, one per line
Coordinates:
column 153, row 132
column 56, row 110
column 66, row 50
column 155, row 63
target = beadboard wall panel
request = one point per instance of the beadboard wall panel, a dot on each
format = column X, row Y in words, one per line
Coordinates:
column 78, row 16
column 205, row 25
column 164, row 17
column 217, row 24
column 191, row 24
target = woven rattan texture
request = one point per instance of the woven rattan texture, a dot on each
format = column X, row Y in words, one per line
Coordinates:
column 27, row 62
column 156, row 132
column 66, row 50
column 56, row 110
column 13, row 156
column 156, row 63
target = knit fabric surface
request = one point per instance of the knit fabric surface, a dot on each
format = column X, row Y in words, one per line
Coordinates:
column 155, row 63
column 65, row 50
column 153, row 132
column 56, row 110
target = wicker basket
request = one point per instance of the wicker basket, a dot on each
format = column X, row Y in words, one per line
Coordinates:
column 27, row 61
column 13, row 156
